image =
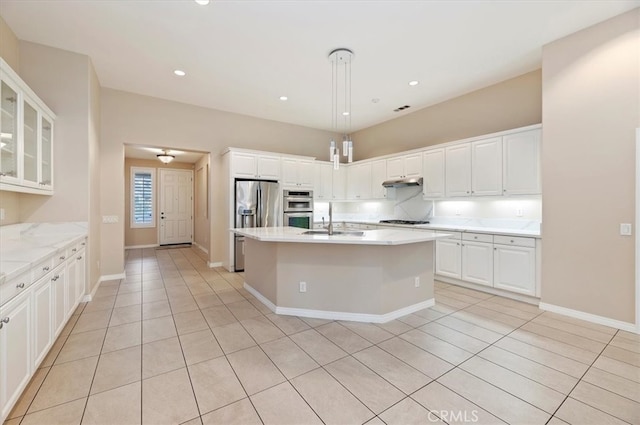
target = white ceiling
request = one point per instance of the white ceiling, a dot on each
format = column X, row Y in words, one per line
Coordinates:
column 240, row 56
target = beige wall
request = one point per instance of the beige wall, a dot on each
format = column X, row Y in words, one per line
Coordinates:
column 143, row 236
column 510, row 104
column 10, row 203
column 202, row 203
column 135, row 119
column 9, row 46
column 93, row 269
column 61, row 79
column 591, row 108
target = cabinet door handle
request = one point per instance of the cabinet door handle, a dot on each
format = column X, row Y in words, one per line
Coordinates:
column 511, row 240
column 45, row 269
column 458, row 243
column 84, row 243
column 74, row 249
column 79, row 258
column 56, row 277
column 495, row 249
column 20, row 285
column 5, row 320
column 62, row 257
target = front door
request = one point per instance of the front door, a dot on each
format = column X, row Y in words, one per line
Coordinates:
column 176, row 199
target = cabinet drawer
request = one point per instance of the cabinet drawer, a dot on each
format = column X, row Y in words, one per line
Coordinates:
column 514, row 240
column 477, row 237
column 42, row 268
column 452, row 235
column 60, row 257
column 14, row 287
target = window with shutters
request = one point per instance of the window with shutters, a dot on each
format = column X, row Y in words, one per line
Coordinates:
column 143, row 197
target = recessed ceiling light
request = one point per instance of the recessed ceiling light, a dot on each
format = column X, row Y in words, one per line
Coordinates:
column 375, row 100
column 179, row 73
column 414, row 83
column 202, row 2
column 283, row 98
column 345, row 113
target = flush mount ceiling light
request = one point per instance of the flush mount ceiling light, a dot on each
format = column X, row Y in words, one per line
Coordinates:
column 202, row 2
column 165, row 158
column 283, row 98
column 341, row 59
column 179, row 73
column 414, row 83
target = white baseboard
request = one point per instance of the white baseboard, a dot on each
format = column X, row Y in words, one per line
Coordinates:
column 113, row 276
column 154, row 245
column 593, row 318
column 90, row 296
column 216, row 264
column 203, row 249
column 339, row 315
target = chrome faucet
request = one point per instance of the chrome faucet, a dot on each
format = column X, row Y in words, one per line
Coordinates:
column 330, row 227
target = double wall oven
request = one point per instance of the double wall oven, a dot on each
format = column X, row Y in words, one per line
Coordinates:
column 298, row 208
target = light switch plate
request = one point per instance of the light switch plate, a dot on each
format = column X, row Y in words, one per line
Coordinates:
column 109, row 218
column 1, row 213
column 625, row 229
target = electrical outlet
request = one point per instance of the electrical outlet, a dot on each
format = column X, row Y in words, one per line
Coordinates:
column 625, row 229
column 303, row 286
column 519, row 212
column 109, row 218
column 1, row 213
column 416, row 281
column 457, row 210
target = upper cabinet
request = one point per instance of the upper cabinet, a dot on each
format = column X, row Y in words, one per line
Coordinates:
column 404, row 166
column 378, row 175
column 486, row 167
column 359, row 181
column 330, row 184
column 433, row 166
column 26, row 137
column 297, row 173
column 458, row 170
column 255, row 166
column 521, row 163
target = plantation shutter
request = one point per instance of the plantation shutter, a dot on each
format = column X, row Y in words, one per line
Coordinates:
column 143, row 198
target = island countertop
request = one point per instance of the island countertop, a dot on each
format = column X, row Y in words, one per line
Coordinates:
column 395, row 236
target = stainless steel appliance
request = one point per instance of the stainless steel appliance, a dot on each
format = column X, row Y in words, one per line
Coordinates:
column 257, row 205
column 297, row 208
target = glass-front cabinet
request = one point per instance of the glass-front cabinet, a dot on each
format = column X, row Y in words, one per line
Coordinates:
column 8, row 133
column 26, row 137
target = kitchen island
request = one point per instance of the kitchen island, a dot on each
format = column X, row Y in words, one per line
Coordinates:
column 376, row 277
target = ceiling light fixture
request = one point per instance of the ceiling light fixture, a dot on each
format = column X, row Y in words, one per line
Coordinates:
column 283, row 98
column 165, row 158
column 414, row 83
column 202, row 2
column 179, row 73
column 341, row 101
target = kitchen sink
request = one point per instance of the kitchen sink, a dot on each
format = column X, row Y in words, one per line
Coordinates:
column 335, row 232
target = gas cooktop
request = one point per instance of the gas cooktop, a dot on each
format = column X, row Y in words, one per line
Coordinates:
column 404, row 222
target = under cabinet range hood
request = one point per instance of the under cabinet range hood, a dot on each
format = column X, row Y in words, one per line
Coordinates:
column 407, row 181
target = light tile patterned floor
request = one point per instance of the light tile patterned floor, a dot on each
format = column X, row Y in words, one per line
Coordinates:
column 179, row 343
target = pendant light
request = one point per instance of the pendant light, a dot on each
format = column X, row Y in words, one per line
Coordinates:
column 341, row 103
column 165, row 158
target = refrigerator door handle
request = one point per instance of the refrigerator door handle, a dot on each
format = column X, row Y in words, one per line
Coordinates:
column 259, row 207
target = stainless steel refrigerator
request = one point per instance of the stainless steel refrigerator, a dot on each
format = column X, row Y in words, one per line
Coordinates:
column 258, row 204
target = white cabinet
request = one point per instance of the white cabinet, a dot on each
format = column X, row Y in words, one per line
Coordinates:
column 26, row 148
column 323, row 187
column 378, row 175
column 433, row 173
column 15, row 350
column 42, row 319
column 359, row 181
column 458, row 170
column 521, row 163
column 448, row 256
column 514, row 264
column 339, row 183
column 477, row 258
column 297, row 173
column 58, row 287
column 486, row 167
column 404, row 166
column 81, row 269
column 71, row 282
column 255, row 166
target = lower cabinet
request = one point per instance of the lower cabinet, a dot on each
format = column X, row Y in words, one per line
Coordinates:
column 16, row 335
column 32, row 319
column 497, row 261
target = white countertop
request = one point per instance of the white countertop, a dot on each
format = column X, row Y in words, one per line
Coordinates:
column 396, row 236
column 24, row 245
